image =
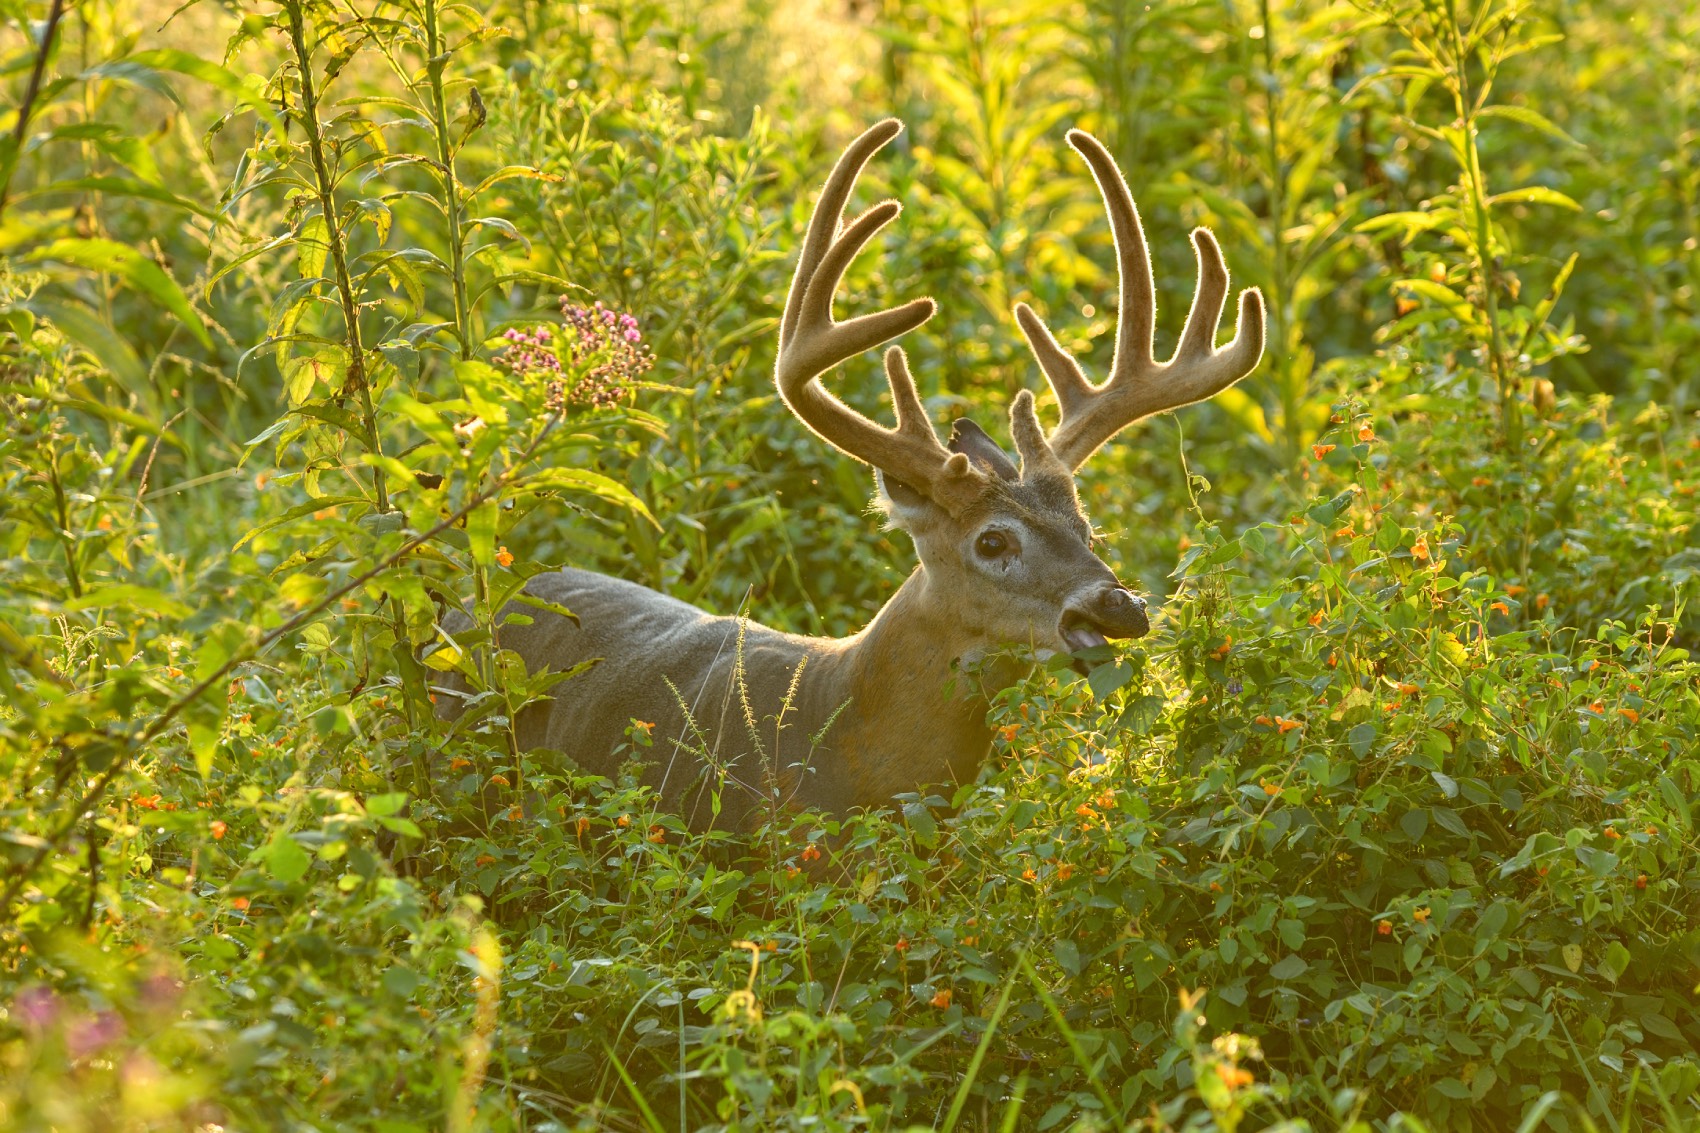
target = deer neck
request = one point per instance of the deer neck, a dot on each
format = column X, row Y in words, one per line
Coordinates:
column 914, row 704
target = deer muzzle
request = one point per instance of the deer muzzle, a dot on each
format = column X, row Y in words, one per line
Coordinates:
column 1112, row 612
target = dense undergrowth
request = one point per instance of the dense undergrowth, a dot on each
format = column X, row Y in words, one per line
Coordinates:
column 370, row 311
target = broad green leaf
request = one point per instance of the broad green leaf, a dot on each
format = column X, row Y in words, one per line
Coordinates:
column 481, row 533
column 583, row 480
column 284, row 858
column 132, row 267
column 1535, row 195
column 313, row 246
column 250, row 94
column 1531, row 118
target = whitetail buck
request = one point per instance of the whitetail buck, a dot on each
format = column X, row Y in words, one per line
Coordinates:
column 1006, row 558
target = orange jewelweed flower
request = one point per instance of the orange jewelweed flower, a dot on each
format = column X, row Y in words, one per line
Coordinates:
column 1421, row 915
column 240, row 904
column 657, row 835
column 1409, row 689
column 499, row 781
column 1233, row 1077
column 1320, row 451
column 1611, row 832
column 1541, row 601
column 645, row 726
column 504, row 558
column 1029, row 874
column 1270, row 789
column 1419, row 551
column 1366, row 432
column 1008, row 732
column 1514, row 590
column 1598, row 708
column 1221, row 650
column 1316, row 618
column 1641, row 881
column 458, row 764
column 811, row 853
column 941, row 998
column 1630, row 714
column 1265, row 721
column 583, row 826
column 1065, row 871
column 218, row 828
column 1501, row 607
column 1085, row 811
column 1332, row 660
column 791, row 872
column 515, row 814
column 902, row 944
column 483, row 859
column 1384, row 928
column 1479, row 481
column 1284, row 726
column 623, row 821
column 1215, row 887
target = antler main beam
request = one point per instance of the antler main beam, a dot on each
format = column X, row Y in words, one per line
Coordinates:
column 811, row 343
column 1139, row 385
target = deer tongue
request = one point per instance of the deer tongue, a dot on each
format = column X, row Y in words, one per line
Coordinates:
column 1081, row 635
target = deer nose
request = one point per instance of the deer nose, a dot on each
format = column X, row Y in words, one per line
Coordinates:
column 1117, row 612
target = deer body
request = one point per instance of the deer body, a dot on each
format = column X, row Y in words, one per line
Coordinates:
column 1005, row 548
column 894, row 710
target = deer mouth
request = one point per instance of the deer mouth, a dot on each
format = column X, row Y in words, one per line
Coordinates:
column 1079, row 633
column 1112, row 613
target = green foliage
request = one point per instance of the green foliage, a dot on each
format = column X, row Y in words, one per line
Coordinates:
column 1388, row 825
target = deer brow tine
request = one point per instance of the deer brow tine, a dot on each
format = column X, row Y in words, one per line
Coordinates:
column 1136, row 306
column 823, row 222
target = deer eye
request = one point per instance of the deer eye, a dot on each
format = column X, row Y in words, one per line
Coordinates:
column 991, row 544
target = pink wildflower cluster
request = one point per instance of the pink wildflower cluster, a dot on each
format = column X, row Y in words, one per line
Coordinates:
column 603, row 346
column 609, row 343
column 529, row 353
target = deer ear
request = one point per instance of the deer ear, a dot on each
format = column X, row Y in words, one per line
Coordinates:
column 906, row 508
column 974, row 443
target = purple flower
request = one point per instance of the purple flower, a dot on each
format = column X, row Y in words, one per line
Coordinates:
column 36, row 1006
column 93, row 1033
column 1235, row 687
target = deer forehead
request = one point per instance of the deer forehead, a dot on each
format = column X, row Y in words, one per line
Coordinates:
column 1045, row 506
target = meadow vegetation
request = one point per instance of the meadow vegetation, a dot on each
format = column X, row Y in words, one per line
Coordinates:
column 319, row 319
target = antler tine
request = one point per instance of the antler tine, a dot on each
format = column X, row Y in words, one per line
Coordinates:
column 1138, row 385
column 811, row 343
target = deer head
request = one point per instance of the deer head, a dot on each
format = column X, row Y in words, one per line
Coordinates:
column 1006, row 546
column 1006, row 559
